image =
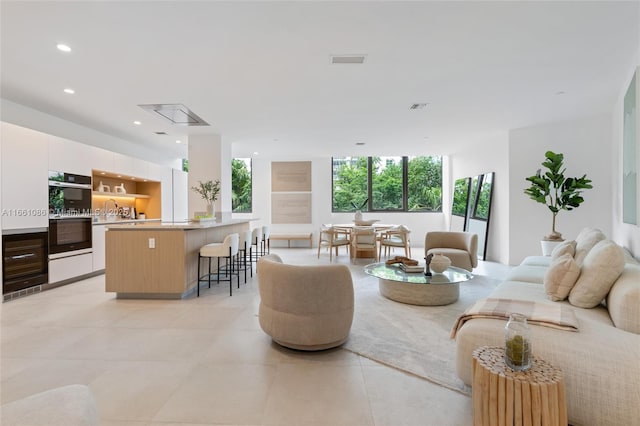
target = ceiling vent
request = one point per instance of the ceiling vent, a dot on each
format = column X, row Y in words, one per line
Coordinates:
column 177, row 114
column 417, row 106
column 160, row 133
column 348, row 59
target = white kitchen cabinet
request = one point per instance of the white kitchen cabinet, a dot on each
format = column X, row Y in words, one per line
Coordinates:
column 130, row 166
column 180, row 195
column 98, row 242
column 70, row 267
column 25, row 174
column 69, row 157
column 166, row 182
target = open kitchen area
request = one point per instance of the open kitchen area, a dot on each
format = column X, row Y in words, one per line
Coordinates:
column 58, row 199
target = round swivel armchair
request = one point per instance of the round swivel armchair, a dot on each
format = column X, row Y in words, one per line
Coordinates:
column 305, row 307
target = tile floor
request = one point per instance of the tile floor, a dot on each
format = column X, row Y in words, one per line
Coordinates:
column 205, row 361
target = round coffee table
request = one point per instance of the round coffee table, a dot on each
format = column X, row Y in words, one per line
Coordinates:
column 416, row 288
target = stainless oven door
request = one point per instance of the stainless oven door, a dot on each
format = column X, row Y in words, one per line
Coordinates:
column 69, row 234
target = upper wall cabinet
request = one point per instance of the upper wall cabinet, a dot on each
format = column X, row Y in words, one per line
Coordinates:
column 25, row 172
column 69, row 157
column 130, row 166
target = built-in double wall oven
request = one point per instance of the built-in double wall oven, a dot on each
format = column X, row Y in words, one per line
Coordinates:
column 70, row 214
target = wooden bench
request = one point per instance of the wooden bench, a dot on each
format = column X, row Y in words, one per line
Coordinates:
column 289, row 237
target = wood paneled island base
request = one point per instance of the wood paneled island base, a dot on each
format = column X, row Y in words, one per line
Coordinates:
column 159, row 261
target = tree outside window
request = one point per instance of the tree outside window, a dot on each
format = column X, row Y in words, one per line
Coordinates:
column 241, row 185
column 396, row 184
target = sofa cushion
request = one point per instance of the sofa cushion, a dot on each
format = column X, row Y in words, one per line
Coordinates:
column 623, row 300
column 528, row 273
column 586, row 239
column 560, row 277
column 565, row 247
column 600, row 269
column 536, row 261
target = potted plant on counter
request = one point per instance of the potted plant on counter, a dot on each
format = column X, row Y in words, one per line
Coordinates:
column 209, row 191
column 557, row 192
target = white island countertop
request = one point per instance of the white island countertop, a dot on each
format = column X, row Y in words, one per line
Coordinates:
column 159, row 226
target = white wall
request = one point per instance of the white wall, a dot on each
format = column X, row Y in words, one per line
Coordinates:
column 624, row 234
column 587, row 147
column 490, row 155
column 206, row 162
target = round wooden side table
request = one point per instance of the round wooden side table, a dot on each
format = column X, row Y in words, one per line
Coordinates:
column 502, row 396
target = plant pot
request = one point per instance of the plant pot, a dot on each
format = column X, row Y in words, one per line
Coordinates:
column 548, row 246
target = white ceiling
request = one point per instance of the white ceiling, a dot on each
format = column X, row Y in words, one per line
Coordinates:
column 260, row 72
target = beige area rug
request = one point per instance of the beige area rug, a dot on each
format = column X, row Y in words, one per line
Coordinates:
column 414, row 339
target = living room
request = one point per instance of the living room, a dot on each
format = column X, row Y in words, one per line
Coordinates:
column 552, row 107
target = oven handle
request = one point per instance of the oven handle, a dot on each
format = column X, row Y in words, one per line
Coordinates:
column 69, row 185
column 23, row 256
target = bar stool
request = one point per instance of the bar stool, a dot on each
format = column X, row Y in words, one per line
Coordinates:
column 266, row 241
column 228, row 249
column 256, row 240
column 246, row 252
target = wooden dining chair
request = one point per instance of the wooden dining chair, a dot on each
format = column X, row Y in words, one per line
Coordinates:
column 397, row 236
column 331, row 237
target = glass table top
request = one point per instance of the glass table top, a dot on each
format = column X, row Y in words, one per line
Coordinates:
column 393, row 273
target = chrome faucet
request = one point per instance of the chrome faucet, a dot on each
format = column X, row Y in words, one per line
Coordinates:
column 115, row 204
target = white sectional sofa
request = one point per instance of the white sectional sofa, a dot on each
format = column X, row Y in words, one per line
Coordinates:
column 601, row 361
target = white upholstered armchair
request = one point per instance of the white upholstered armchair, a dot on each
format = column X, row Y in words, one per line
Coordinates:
column 460, row 247
column 305, row 307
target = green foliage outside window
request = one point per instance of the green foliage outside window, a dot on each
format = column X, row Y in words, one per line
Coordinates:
column 349, row 183
column 241, row 185
column 422, row 188
column 424, row 184
column 387, row 183
column 460, row 197
column 482, row 209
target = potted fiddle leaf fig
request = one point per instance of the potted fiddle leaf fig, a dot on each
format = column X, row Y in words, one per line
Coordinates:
column 555, row 190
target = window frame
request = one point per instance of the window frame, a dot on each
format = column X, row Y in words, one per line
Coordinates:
column 405, row 187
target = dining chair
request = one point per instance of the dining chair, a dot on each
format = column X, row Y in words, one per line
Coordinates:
column 364, row 239
column 397, row 236
column 331, row 237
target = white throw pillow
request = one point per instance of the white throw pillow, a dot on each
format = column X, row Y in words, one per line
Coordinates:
column 567, row 246
column 601, row 268
column 560, row 277
column 586, row 239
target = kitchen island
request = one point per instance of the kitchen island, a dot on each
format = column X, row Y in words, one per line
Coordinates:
column 160, row 259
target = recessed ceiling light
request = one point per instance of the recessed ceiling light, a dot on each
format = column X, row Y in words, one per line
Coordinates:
column 69, row 91
column 255, row 152
column 119, row 175
column 63, row 47
column 102, row 173
column 137, row 123
column 178, row 141
column 132, row 178
column 145, row 180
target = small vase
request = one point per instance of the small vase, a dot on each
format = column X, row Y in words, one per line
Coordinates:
column 358, row 217
column 439, row 263
column 517, row 351
column 210, row 207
